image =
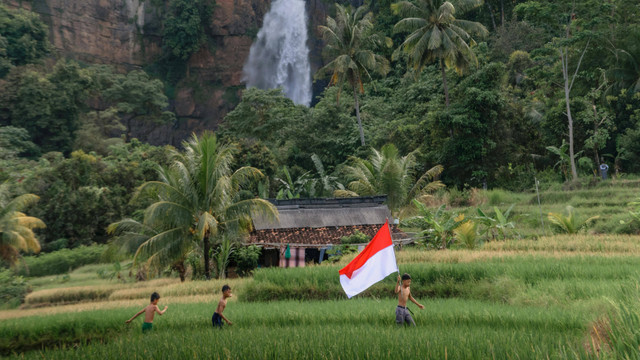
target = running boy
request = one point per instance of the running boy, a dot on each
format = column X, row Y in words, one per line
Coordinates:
column 149, row 312
column 404, row 293
column 217, row 317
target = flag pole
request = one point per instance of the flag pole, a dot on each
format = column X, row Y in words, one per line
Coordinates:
column 391, row 236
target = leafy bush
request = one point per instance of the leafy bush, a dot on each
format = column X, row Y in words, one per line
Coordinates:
column 55, row 245
column 61, row 261
column 247, row 259
column 357, row 237
column 569, row 224
column 13, row 289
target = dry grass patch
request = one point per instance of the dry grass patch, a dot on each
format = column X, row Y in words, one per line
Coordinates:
column 75, row 294
column 604, row 244
column 598, row 340
column 110, row 304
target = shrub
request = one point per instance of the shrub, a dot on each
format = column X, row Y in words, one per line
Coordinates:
column 569, row 224
column 459, row 198
column 55, row 245
column 247, row 259
column 61, row 261
column 13, row 289
column 356, row 238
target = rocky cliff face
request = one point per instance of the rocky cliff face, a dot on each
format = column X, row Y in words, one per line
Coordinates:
column 127, row 34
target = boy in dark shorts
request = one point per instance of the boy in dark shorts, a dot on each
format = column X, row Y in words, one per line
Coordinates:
column 217, row 317
column 149, row 312
column 404, row 293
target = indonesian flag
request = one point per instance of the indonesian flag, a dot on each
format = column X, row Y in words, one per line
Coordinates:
column 374, row 263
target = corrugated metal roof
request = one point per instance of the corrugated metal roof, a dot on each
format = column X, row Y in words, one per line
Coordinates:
column 292, row 216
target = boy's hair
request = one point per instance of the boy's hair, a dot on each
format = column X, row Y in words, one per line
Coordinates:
column 155, row 296
column 406, row 276
column 225, row 288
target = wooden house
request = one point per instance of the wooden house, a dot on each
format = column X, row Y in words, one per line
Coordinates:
column 309, row 226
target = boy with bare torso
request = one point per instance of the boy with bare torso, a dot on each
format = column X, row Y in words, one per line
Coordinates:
column 217, row 317
column 149, row 312
column 404, row 293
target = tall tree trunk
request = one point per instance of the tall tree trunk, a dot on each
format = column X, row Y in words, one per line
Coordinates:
column 493, row 18
column 572, row 159
column 502, row 12
column 207, row 247
column 596, row 127
column 181, row 269
column 568, row 85
column 444, row 83
column 357, row 106
column 128, row 134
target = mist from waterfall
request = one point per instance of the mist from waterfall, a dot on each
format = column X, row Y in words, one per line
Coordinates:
column 279, row 57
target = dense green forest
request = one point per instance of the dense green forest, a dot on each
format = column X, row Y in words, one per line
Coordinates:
column 473, row 94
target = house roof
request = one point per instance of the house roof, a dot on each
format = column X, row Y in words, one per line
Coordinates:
column 316, row 237
column 322, row 213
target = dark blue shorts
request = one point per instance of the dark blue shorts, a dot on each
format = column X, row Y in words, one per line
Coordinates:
column 216, row 320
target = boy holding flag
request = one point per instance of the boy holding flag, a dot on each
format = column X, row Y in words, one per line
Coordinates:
column 375, row 262
column 404, row 293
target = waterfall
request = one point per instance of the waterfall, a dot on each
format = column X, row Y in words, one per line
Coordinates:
column 279, row 57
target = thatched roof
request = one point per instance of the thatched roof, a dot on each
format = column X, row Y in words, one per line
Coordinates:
column 320, row 213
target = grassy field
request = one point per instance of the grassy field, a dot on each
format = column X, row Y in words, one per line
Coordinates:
column 557, row 297
column 607, row 199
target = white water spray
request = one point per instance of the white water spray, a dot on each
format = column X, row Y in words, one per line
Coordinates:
column 279, row 57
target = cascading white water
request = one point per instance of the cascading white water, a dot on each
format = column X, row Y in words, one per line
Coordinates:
column 280, row 57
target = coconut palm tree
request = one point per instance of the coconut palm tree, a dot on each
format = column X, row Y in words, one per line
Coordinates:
column 197, row 202
column 386, row 172
column 436, row 35
column 16, row 228
column 350, row 42
column 626, row 73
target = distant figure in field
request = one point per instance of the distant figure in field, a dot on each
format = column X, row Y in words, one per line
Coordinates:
column 217, row 317
column 604, row 168
column 404, row 293
column 149, row 311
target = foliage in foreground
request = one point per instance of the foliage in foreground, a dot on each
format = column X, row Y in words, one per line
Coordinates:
column 467, row 329
column 13, row 289
column 198, row 202
column 16, row 228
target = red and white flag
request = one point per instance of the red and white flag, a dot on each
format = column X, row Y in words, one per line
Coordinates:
column 374, row 263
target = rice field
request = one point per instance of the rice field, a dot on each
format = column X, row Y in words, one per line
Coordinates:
column 557, row 297
column 608, row 200
column 361, row 328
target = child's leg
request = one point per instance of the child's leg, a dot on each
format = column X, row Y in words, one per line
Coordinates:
column 408, row 319
column 399, row 316
column 216, row 320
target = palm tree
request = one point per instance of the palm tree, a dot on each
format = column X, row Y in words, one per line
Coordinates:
column 626, row 73
column 436, row 35
column 16, row 228
column 349, row 50
column 197, row 201
column 388, row 173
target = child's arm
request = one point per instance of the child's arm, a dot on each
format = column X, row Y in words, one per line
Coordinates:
column 161, row 312
column 415, row 302
column 397, row 288
column 225, row 319
column 135, row 316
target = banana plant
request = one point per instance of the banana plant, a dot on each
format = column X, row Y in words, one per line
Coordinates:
column 569, row 224
column 436, row 227
column 290, row 189
column 498, row 225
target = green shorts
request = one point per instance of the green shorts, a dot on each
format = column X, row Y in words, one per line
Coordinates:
column 146, row 326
